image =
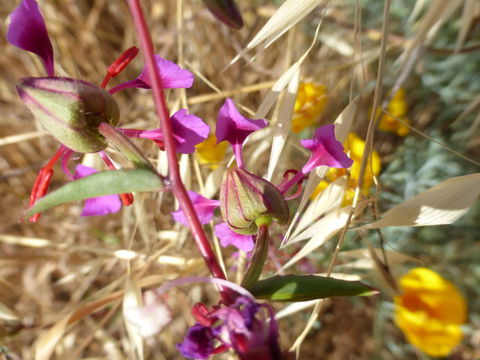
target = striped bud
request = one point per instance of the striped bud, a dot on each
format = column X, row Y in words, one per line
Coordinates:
column 246, row 198
column 70, row 110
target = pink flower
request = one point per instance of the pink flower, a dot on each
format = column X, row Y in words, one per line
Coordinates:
column 28, row 31
column 326, row 150
column 204, row 208
column 172, row 76
column 235, row 128
column 188, row 131
column 229, row 237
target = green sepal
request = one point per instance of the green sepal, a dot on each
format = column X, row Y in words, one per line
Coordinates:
column 99, row 184
column 307, row 287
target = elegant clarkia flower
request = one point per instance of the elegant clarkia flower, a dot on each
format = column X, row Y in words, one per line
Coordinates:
column 247, row 327
column 398, row 108
column 247, row 200
column 354, row 146
column 309, row 105
column 430, row 311
column 72, row 110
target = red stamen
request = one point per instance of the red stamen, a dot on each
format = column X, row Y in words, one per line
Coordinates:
column 120, row 64
column 127, row 199
column 297, row 193
column 160, row 144
column 288, row 172
column 220, row 349
column 42, row 182
column 202, row 315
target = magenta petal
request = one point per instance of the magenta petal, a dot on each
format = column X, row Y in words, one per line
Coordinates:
column 229, row 237
column 204, row 208
column 233, row 127
column 326, row 150
column 101, row 205
column 188, row 130
column 28, row 31
column 172, row 76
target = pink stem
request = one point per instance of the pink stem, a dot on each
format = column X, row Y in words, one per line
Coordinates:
column 174, row 174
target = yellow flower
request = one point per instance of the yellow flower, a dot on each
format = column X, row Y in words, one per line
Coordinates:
column 398, row 108
column 310, row 103
column 430, row 312
column 354, row 147
column 210, row 153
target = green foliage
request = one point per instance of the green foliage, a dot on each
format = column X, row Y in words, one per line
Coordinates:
column 99, row 184
column 307, row 287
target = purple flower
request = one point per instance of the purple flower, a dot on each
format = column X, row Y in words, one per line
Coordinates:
column 229, row 237
column 198, row 343
column 247, row 327
column 326, row 150
column 234, row 128
column 172, row 76
column 101, row 205
column 204, row 208
column 28, row 31
column 188, row 131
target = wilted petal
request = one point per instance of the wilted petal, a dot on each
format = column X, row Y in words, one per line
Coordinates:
column 151, row 318
column 198, row 343
column 28, row 31
column 228, row 237
column 326, row 150
column 101, row 205
column 233, row 127
column 204, row 208
column 172, row 76
column 188, row 130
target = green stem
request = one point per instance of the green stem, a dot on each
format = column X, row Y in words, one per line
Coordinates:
column 258, row 259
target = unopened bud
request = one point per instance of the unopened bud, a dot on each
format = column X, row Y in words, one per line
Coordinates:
column 247, row 199
column 70, row 110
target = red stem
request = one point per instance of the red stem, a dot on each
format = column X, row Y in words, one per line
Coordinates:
column 174, row 173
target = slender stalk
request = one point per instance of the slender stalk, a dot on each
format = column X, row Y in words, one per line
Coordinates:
column 258, row 259
column 176, row 184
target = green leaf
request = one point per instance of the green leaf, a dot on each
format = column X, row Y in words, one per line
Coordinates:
column 99, row 184
column 307, row 287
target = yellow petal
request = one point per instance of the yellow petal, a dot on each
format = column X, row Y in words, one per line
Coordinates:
column 430, row 311
column 210, row 153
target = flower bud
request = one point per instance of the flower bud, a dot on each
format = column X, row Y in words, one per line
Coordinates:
column 246, row 199
column 70, row 110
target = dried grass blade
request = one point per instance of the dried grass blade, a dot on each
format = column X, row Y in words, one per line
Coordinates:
column 470, row 12
column 133, row 298
column 441, row 204
column 320, row 232
column 437, row 14
column 289, row 13
column 45, row 344
column 7, row 314
column 329, row 199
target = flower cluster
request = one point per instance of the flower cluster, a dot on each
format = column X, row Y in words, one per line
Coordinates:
column 354, row 146
column 430, row 311
column 247, row 327
column 246, row 200
column 73, row 110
